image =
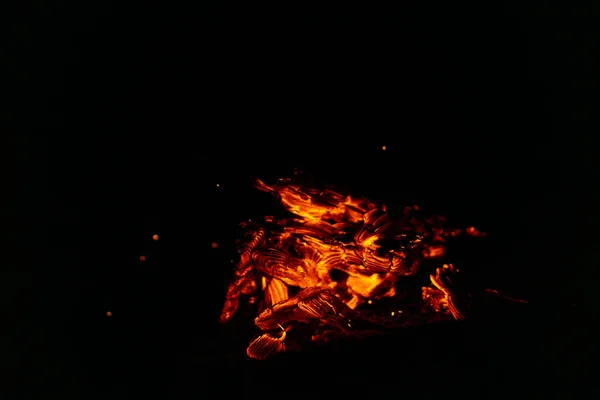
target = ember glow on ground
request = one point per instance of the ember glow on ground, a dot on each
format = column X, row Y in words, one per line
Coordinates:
column 329, row 256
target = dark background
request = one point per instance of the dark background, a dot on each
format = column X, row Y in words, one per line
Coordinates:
column 129, row 116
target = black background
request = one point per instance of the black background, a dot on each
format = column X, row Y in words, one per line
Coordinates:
column 130, row 116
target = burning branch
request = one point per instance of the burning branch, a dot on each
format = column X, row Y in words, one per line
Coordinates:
column 322, row 265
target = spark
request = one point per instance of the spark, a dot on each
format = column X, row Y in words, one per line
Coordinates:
column 155, row 237
column 214, row 245
column 142, row 258
column 108, row 314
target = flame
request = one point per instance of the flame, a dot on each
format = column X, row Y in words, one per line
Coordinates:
column 326, row 262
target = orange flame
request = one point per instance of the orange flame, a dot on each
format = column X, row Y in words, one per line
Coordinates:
column 331, row 256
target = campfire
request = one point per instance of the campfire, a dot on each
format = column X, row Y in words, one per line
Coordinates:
column 338, row 266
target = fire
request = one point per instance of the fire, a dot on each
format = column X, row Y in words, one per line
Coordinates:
column 326, row 263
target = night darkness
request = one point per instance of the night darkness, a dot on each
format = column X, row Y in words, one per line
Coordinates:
column 154, row 120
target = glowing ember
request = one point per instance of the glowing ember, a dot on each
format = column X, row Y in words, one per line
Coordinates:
column 319, row 272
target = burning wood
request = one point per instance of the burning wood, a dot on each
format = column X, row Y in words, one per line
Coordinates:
column 315, row 274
